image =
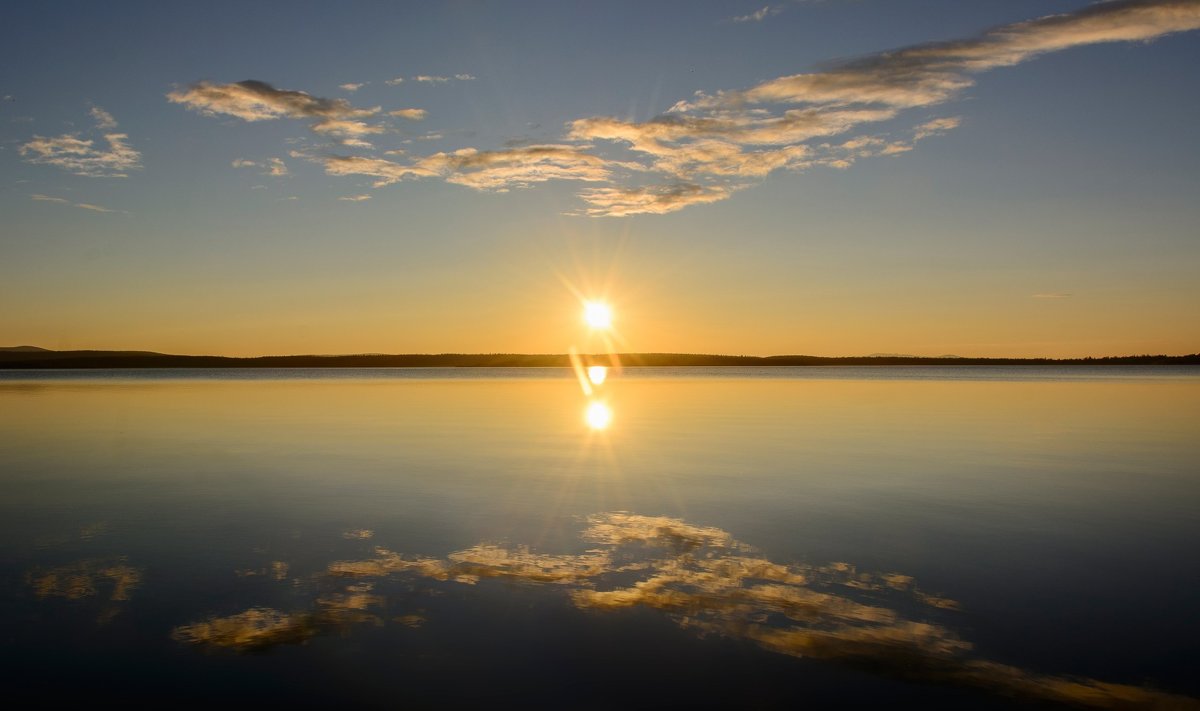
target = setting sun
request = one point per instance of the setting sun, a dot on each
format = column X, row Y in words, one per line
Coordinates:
column 597, row 315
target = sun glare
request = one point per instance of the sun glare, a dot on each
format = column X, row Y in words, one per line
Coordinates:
column 597, row 415
column 598, row 315
column 597, row 374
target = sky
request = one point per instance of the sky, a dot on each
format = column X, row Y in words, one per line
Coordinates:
column 824, row 177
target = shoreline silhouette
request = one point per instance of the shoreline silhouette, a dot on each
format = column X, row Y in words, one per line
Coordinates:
column 29, row 357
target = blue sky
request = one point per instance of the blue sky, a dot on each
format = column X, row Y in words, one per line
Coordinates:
column 835, row 177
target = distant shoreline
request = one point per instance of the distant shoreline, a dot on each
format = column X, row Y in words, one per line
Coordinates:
column 13, row 359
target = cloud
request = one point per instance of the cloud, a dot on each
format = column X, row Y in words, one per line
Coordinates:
column 395, row 82
column 410, row 114
column 93, row 208
column 738, row 135
column 760, row 14
column 253, row 100
column 346, row 127
column 104, row 120
column 707, row 148
column 427, row 79
column 64, row 201
column 81, row 156
column 385, row 172
column 481, row 170
column 653, row 200
column 356, row 198
column 936, row 127
column 351, row 87
column 271, row 166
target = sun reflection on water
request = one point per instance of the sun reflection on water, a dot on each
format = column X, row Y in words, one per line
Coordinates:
column 597, row 374
column 598, row 415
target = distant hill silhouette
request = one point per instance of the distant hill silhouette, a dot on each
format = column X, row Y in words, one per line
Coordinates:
column 31, row 357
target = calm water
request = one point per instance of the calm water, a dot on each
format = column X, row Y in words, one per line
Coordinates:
column 947, row 537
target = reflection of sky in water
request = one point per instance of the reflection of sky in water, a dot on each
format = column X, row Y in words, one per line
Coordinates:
column 703, row 580
column 1052, row 513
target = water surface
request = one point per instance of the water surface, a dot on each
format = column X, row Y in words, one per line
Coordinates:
column 942, row 536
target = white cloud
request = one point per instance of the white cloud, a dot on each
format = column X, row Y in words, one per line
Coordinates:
column 355, row 198
column 760, row 14
column 430, row 79
column 81, row 156
column 395, row 82
column 410, row 114
column 352, row 87
column 104, row 120
column 243, row 163
column 49, row 198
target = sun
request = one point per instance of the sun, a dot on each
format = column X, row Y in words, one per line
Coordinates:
column 598, row 315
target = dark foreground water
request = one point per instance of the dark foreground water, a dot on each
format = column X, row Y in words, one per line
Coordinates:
column 938, row 537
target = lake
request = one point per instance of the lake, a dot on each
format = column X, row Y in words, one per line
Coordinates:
column 943, row 537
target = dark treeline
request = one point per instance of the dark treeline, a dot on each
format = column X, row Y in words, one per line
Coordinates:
column 16, row 359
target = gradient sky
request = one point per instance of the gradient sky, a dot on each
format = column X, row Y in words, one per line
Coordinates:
column 836, row 177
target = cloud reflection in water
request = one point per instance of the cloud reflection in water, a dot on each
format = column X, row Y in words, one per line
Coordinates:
column 705, row 580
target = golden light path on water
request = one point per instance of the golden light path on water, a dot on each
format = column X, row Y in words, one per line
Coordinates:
column 597, row 374
column 598, row 415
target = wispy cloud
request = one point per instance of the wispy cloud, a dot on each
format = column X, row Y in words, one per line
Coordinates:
column 760, row 14
column 733, row 136
column 711, row 146
column 81, row 156
column 352, row 87
column 482, row 170
column 395, row 82
column 355, row 198
column 271, row 166
column 64, row 201
column 104, row 120
column 410, row 114
column 93, row 208
column 428, row 79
